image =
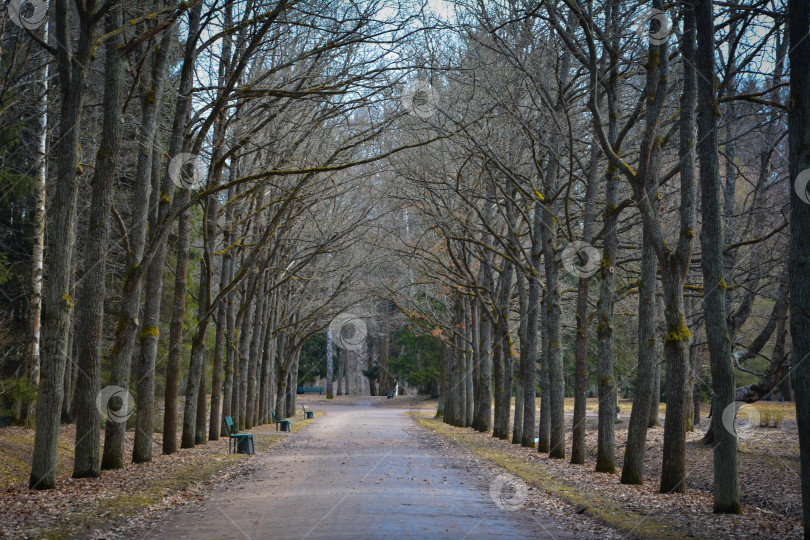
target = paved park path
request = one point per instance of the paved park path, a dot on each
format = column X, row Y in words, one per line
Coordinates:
column 357, row 472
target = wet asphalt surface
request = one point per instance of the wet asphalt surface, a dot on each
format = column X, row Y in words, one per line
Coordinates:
column 359, row 472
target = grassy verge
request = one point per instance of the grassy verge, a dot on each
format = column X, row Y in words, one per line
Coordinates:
column 610, row 511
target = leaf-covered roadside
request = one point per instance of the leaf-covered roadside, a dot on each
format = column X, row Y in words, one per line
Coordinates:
column 91, row 507
column 634, row 511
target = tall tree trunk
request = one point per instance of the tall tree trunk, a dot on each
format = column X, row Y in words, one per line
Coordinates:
column 271, row 385
column 517, row 421
column 655, row 395
column 451, row 412
column 292, row 389
column 694, row 356
column 385, row 384
column 178, row 314
column 468, row 368
column 196, row 366
column 284, row 385
column 726, row 483
column 42, row 89
column 239, row 326
column 70, row 378
column 200, row 424
column 506, row 343
column 799, row 141
column 676, row 357
column 461, row 364
column 475, row 314
column 230, row 359
column 440, row 408
column 216, row 415
column 482, row 414
column 581, row 343
column 253, row 363
column 500, row 355
column 502, row 359
column 677, row 345
column 244, row 350
column 529, row 367
column 230, row 322
column 215, row 423
column 692, row 411
column 287, row 403
column 551, row 264
column 347, row 371
column 171, row 392
column 554, row 358
column 282, row 362
column 341, row 360
column 87, row 461
column 475, row 379
column 517, row 427
column 148, row 174
column 58, row 304
column 674, row 269
column 635, row 451
column 544, row 426
column 482, row 419
column 268, row 355
column 194, row 405
column 329, row 365
column 606, row 447
column 606, row 444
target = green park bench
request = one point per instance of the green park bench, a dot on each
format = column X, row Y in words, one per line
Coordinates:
column 390, row 395
column 243, row 442
column 310, row 389
column 285, row 424
column 308, row 414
